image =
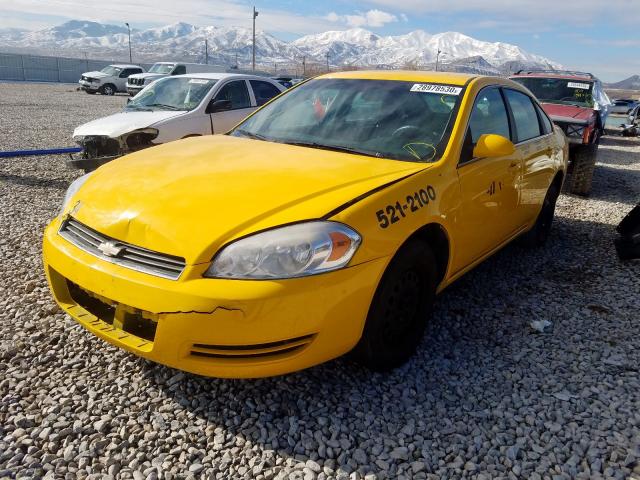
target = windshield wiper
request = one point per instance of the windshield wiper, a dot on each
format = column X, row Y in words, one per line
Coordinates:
column 162, row 105
column 254, row 136
column 137, row 107
column 334, row 148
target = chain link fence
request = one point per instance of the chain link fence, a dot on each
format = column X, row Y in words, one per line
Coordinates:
column 37, row 68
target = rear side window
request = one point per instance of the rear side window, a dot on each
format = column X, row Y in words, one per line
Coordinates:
column 237, row 93
column 263, row 91
column 179, row 70
column 489, row 115
column 524, row 114
column 547, row 126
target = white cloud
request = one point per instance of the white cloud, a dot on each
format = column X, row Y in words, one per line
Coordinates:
column 372, row 18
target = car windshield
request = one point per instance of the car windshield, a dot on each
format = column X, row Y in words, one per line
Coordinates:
column 172, row 93
column 560, row 90
column 161, row 68
column 382, row 118
column 111, row 70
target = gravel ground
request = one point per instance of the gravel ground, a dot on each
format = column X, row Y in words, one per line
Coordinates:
column 485, row 397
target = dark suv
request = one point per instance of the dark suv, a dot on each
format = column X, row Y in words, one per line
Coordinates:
column 577, row 103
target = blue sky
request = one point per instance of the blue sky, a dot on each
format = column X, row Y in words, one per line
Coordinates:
column 594, row 35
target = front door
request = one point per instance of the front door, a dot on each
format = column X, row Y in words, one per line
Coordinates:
column 237, row 93
column 490, row 187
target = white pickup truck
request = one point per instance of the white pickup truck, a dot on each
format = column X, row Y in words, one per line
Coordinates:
column 109, row 80
column 135, row 83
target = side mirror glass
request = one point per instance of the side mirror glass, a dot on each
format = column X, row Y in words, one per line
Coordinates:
column 492, row 146
column 220, row 105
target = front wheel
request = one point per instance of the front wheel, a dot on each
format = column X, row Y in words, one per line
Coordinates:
column 400, row 309
column 108, row 89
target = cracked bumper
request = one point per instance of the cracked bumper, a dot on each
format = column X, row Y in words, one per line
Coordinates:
column 214, row 327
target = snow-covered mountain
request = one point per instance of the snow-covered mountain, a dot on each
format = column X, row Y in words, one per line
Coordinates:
column 354, row 47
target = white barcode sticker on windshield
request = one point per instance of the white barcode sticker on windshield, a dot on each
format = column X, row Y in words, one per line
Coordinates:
column 199, row 81
column 583, row 86
column 434, row 88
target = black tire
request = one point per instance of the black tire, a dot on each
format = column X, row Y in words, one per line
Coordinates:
column 400, row 309
column 583, row 163
column 539, row 233
column 108, row 89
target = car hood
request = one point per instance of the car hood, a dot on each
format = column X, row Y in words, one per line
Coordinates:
column 191, row 196
column 567, row 111
column 148, row 75
column 123, row 122
column 95, row 74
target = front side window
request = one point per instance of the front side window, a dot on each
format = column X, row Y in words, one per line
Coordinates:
column 179, row 70
column 237, row 93
column 489, row 115
column 172, row 93
column 524, row 114
column 559, row 90
column 263, row 91
column 382, row 118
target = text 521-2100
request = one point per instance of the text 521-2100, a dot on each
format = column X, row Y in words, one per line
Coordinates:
column 413, row 202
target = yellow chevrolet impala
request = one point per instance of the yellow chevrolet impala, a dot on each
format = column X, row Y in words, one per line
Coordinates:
column 324, row 223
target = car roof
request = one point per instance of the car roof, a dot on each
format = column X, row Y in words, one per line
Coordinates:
column 124, row 65
column 223, row 76
column 405, row 75
column 562, row 76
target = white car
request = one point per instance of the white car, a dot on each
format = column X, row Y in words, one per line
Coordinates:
column 173, row 108
column 164, row 69
column 109, row 80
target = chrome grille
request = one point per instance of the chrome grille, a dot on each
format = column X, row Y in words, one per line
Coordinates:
column 126, row 255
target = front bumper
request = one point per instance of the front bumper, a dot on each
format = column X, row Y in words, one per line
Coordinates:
column 89, row 86
column 213, row 327
column 88, row 164
column 133, row 90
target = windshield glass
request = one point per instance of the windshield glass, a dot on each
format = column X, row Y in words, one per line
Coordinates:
column 113, row 71
column 172, row 93
column 161, row 68
column 381, row 118
column 558, row 90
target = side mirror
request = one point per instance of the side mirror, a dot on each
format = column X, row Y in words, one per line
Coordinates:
column 218, row 106
column 492, row 146
column 128, row 100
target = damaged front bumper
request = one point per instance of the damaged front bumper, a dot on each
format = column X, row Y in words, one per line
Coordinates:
column 100, row 149
column 213, row 327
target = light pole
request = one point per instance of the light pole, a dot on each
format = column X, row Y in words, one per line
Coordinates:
column 438, row 58
column 129, row 29
column 327, row 55
column 206, row 51
column 255, row 14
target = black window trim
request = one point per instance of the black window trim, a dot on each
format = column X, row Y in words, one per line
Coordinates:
column 512, row 127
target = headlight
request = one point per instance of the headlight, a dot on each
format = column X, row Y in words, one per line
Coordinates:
column 287, row 252
column 72, row 190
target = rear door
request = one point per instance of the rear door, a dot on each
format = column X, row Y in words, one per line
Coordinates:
column 237, row 92
column 489, row 186
column 534, row 140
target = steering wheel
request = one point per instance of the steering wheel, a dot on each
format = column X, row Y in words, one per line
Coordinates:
column 405, row 130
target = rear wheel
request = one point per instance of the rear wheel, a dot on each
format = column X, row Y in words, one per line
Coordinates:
column 537, row 236
column 108, row 89
column 400, row 309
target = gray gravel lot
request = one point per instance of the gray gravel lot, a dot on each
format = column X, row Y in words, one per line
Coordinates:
column 485, row 397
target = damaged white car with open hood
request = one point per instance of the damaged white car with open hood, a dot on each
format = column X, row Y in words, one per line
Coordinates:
column 170, row 109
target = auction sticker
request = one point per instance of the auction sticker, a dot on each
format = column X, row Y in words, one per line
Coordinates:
column 582, row 86
column 199, row 81
column 434, row 88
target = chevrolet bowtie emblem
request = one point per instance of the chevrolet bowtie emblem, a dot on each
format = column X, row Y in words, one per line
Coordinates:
column 110, row 249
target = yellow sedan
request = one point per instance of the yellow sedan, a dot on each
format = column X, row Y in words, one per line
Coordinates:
column 324, row 223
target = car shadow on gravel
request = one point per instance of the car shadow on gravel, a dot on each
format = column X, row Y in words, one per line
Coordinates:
column 32, row 181
column 478, row 360
column 615, row 184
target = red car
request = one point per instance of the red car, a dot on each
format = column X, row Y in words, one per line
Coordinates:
column 577, row 103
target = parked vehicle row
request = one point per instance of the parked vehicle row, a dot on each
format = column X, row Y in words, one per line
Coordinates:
column 324, row 223
column 109, row 80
